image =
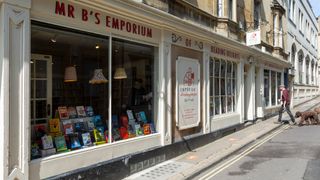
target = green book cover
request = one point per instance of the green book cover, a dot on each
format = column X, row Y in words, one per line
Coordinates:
column 60, row 143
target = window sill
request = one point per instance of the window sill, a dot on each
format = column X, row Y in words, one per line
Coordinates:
column 301, row 33
column 226, row 115
column 56, row 164
column 292, row 23
column 272, row 107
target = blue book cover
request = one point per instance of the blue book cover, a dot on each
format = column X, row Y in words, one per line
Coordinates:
column 89, row 111
column 97, row 120
column 86, row 139
column 79, row 126
column 115, row 121
column 75, row 143
column 143, row 116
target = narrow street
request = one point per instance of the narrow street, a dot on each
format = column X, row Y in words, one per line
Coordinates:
column 290, row 152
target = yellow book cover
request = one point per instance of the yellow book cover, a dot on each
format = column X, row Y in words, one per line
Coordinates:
column 54, row 125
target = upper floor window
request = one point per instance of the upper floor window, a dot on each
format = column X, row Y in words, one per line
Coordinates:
column 291, row 9
column 301, row 23
column 256, row 14
column 230, row 8
column 219, row 8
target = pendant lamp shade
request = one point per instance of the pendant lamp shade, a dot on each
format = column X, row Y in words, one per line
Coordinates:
column 70, row 74
column 98, row 77
column 120, row 74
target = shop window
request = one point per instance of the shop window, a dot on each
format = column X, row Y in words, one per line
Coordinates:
column 256, row 13
column 272, row 80
column 132, row 94
column 70, row 90
column 222, row 86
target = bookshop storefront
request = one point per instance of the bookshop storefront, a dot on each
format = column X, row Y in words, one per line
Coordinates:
column 92, row 86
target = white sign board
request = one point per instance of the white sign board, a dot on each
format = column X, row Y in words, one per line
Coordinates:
column 187, row 92
column 253, row 38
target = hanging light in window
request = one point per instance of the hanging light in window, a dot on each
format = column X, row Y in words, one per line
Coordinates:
column 70, row 73
column 98, row 77
column 120, row 74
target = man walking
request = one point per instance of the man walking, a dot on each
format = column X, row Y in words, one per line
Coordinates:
column 285, row 104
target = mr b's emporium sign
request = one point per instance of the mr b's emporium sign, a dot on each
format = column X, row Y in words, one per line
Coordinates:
column 82, row 15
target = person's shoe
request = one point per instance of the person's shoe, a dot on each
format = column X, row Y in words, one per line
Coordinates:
column 294, row 123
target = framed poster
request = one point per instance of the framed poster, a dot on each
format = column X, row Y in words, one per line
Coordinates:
column 187, row 92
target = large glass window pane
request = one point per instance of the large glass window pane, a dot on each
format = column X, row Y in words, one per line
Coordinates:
column 71, row 89
column 132, row 88
column 78, row 96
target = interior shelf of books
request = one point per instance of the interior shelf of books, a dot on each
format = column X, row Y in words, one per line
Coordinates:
column 78, row 127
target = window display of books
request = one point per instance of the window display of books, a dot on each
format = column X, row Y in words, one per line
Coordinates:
column 77, row 127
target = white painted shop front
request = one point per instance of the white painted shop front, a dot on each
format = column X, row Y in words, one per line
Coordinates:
column 40, row 38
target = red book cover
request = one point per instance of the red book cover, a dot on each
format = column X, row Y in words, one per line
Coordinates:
column 123, row 133
column 63, row 112
column 68, row 128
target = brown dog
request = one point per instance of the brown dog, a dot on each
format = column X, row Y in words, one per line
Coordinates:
column 307, row 117
column 317, row 110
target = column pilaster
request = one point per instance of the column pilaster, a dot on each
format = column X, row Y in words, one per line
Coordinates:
column 15, row 88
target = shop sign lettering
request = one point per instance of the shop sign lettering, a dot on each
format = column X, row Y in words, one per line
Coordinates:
column 188, row 92
column 187, row 42
column 224, row 52
column 72, row 12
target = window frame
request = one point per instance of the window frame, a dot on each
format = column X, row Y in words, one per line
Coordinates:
column 229, row 83
column 109, row 76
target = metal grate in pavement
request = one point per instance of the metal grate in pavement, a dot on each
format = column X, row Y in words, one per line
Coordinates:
column 161, row 171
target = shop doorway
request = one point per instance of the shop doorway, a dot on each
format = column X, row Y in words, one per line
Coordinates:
column 179, row 134
column 41, row 88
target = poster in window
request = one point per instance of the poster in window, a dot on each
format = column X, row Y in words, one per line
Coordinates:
column 188, row 92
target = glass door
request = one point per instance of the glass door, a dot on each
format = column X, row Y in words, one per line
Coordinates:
column 41, row 88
